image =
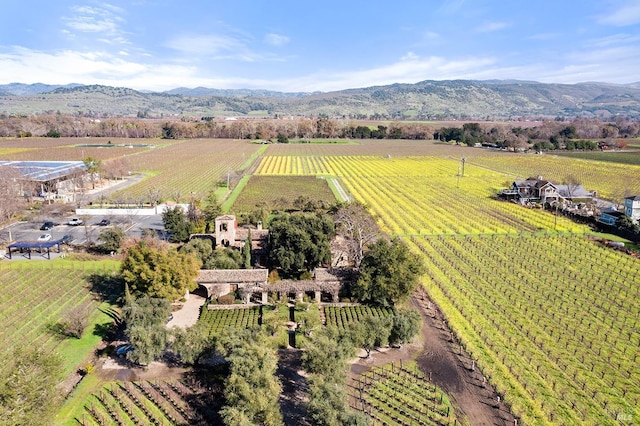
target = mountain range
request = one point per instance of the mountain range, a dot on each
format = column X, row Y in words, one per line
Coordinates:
column 430, row 99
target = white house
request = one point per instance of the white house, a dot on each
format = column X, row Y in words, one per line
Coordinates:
column 632, row 208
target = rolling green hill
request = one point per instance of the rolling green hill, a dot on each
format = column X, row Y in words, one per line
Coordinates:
column 424, row 100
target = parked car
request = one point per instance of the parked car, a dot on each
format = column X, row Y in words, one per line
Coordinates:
column 104, row 222
column 122, row 350
column 47, row 225
column 75, row 221
column 66, row 239
column 44, row 237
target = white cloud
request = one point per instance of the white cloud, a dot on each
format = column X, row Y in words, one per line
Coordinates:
column 488, row 27
column 276, row 39
column 64, row 66
column 206, row 45
column 410, row 56
column 105, row 20
column 614, row 59
column 615, row 39
column 218, row 47
column 627, row 14
column 409, row 69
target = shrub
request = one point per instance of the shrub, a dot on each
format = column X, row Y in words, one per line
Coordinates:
column 301, row 306
column 88, row 369
column 273, row 277
column 75, row 322
column 227, row 299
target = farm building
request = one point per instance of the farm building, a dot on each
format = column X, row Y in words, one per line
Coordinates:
column 632, row 208
column 229, row 234
column 544, row 191
column 219, row 282
column 250, row 283
column 46, row 178
column 610, row 217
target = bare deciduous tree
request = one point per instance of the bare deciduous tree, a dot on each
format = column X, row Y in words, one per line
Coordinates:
column 359, row 229
column 11, row 193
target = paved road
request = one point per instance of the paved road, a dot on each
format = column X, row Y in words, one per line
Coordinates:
column 107, row 190
column 188, row 315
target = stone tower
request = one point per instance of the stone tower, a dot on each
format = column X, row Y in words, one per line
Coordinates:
column 225, row 230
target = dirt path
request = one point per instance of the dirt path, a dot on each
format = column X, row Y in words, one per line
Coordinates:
column 343, row 194
column 294, row 395
column 475, row 403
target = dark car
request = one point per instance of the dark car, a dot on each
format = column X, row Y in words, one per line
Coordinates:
column 66, row 239
column 121, row 351
column 104, row 222
column 47, row 225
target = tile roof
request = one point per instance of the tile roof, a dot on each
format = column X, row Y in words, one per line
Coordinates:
column 232, row 275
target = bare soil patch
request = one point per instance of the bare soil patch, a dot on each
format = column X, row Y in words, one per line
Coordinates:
column 440, row 358
column 295, row 389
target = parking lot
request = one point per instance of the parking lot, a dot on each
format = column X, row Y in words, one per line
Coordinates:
column 88, row 231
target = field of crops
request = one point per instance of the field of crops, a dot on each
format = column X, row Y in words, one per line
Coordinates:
column 381, row 148
column 612, row 180
column 150, row 402
column 280, row 192
column 65, row 149
column 36, row 295
column 186, row 168
column 628, row 157
column 552, row 320
column 216, row 320
column 397, row 395
column 551, row 317
column 343, row 316
column 425, row 196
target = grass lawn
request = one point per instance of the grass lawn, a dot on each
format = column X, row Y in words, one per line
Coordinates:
column 73, row 407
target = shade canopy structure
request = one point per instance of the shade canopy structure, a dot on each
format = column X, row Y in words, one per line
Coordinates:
column 27, row 247
column 45, row 171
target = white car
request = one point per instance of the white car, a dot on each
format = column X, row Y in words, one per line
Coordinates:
column 44, row 237
column 75, row 222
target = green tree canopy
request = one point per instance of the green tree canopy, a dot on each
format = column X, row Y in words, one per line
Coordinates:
column 28, row 382
column 328, row 405
column 406, row 324
column 389, row 273
column 111, row 239
column 246, row 252
column 325, row 356
column 373, row 332
column 175, row 223
column 93, row 167
column 224, row 258
column 211, row 210
column 299, row 242
column 327, row 353
column 190, row 343
column 252, row 388
column 154, row 269
column 201, row 248
column 145, row 320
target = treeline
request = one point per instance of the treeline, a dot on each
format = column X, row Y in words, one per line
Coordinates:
column 552, row 134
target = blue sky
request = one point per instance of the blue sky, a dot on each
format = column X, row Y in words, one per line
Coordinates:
column 316, row 46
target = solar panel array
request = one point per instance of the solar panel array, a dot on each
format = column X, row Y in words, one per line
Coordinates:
column 43, row 171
